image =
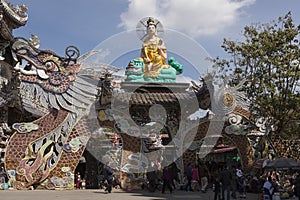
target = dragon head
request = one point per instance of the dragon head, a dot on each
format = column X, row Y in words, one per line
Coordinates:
column 51, row 81
column 45, row 68
column 135, row 69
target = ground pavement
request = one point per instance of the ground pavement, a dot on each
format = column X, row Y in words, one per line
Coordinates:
column 117, row 194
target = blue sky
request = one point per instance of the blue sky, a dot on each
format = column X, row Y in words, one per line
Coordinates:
column 87, row 24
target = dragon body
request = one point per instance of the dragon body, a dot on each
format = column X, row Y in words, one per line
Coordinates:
column 44, row 153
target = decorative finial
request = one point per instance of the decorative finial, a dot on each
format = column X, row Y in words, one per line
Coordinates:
column 150, row 22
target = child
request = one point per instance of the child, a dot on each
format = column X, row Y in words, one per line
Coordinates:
column 78, row 181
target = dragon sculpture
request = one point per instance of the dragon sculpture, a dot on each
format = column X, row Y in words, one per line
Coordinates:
column 47, row 88
column 45, row 152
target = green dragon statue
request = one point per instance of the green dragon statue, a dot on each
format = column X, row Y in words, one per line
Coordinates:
column 135, row 71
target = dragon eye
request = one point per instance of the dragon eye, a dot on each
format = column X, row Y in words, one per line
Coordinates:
column 48, row 64
column 51, row 65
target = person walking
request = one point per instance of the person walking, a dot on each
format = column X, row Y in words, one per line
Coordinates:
column 268, row 188
column 195, row 178
column 78, row 180
column 203, row 174
column 297, row 187
column 225, row 178
column 166, row 180
column 108, row 175
column 241, row 183
column 234, row 182
column 217, row 188
column 151, row 177
column 188, row 174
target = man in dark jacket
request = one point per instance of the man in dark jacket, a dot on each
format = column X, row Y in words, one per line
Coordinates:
column 225, row 178
column 297, row 187
column 188, row 173
column 166, row 180
column 151, row 177
column 108, row 174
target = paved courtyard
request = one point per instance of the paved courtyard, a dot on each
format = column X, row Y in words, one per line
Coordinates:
column 99, row 195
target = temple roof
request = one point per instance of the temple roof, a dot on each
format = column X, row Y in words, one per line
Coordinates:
column 156, row 86
column 11, row 17
column 153, row 97
column 154, row 93
column 16, row 14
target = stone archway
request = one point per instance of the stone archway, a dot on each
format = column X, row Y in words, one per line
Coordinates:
column 238, row 139
column 244, row 149
column 241, row 142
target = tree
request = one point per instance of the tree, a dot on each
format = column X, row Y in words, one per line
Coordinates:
column 269, row 59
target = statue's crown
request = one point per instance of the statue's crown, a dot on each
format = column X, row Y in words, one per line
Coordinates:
column 150, row 22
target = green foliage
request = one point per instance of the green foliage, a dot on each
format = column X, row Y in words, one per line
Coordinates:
column 269, row 58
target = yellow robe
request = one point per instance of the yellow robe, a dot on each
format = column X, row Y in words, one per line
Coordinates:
column 151, row 52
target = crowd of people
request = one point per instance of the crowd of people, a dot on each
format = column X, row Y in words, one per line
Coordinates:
column 285, row 184
column 226, row 181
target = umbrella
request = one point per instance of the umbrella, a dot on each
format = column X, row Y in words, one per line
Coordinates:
column 283, row 164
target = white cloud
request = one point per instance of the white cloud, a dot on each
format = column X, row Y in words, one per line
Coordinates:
column 194, row 17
